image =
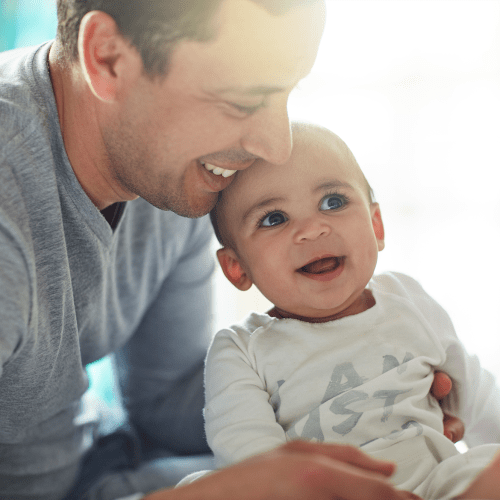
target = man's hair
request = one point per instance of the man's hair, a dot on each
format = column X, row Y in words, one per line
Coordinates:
column 153, row 27
column 215, row 216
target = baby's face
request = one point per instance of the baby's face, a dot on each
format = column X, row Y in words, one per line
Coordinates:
column 305, row 232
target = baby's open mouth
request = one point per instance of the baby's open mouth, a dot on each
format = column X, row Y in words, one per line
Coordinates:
column 322, row 266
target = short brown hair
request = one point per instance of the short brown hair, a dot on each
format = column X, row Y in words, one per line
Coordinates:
column 154, row 27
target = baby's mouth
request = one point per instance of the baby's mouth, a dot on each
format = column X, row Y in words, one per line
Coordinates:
column 322, row 266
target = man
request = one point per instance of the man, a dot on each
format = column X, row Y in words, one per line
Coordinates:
column 138, row 105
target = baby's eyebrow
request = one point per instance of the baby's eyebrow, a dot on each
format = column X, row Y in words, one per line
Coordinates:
column 259, row 206
column 332, row 184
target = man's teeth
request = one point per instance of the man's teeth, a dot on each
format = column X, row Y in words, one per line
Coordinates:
column 218, row 170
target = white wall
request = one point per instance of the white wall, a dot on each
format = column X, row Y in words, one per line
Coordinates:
column 413, row 87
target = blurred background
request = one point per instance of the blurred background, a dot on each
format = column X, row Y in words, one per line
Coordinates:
column 413, row 87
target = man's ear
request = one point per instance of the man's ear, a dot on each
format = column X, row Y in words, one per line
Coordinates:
column 231, row 267
column 378, row 225
column 108, row 61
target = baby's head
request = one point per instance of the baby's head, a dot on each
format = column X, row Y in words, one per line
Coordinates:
column 307, row 232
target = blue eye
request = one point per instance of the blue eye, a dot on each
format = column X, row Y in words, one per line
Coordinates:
column 333, row 202
column 273, row 219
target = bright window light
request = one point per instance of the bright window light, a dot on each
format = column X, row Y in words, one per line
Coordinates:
column 413, row 87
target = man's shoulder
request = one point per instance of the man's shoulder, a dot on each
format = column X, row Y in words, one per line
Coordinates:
column 20, row 103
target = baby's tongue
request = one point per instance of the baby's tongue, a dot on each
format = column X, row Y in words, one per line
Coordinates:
column 321, row 266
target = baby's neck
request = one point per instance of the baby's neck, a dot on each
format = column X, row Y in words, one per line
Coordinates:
column 364, row 302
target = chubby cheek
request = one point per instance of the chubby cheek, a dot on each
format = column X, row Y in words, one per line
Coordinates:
column 270, row 271
column 367, row 251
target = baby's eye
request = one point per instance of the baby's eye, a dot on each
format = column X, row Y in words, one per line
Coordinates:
column 333, row 202
column 273, row 219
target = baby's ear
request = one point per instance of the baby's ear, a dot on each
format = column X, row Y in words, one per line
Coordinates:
column 232, row 269
column 378, row 225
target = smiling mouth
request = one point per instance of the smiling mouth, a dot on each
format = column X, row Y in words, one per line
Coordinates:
column 322, row 266
column 218, row 170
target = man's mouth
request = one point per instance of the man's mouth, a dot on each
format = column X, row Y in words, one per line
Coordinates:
column 322, row 266
column 218, row 170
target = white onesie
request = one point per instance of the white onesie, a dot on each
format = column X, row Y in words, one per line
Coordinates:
column 362, row 380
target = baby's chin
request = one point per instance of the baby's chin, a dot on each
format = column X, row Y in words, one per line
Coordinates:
column 360, row 304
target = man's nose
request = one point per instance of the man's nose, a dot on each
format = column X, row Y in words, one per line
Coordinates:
column 311, row 229
column 269, row 135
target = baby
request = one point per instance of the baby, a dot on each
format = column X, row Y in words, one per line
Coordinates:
column 343, row 356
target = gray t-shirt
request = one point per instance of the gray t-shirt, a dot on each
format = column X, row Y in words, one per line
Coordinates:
column 72, row 291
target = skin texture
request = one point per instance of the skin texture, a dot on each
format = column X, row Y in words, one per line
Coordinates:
column 223, row 102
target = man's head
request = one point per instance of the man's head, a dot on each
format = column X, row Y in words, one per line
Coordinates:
column 154, row 27
column 307, row 232
column 213, row 95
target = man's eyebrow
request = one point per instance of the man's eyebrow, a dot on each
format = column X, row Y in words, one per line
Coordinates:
column 332, row 184
column 250, row 91
column 259, row 206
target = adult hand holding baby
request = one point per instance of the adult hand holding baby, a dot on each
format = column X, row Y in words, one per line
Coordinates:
column 303, row 470
column 297, row 470
column 453, row 427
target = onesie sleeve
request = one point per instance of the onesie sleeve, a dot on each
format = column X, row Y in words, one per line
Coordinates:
column 161, row 367
column 239, row 420
column 475, row 396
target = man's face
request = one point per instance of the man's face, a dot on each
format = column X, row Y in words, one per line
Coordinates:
column 305, row 232
column 222, row 103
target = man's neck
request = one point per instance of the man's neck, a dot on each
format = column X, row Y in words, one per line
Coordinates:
column 78, row 111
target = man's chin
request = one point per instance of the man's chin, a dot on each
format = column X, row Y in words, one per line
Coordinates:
column 192, row 209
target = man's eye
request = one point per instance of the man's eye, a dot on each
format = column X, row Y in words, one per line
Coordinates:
column 333, row 202
column 247, row 110
column 273, row 219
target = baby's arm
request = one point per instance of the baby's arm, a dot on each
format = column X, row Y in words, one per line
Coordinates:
column 239, row 420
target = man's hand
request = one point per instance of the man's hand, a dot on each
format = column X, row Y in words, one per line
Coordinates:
column 487, row 484
column 453, row 427
column 298, row 470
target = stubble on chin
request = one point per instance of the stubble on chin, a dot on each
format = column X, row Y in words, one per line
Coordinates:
column 136, row 172
column 181, row 205
column 169, row 194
